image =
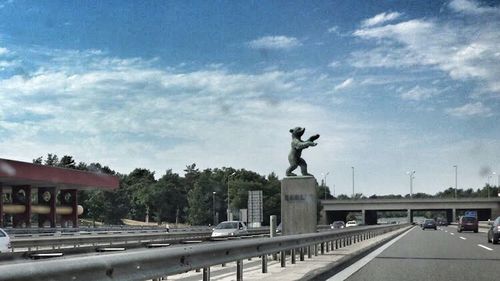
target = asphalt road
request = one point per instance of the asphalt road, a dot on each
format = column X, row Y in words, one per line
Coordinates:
column 442, row 254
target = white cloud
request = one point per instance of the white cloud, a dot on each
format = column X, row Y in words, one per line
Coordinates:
column 464, row 51
column 476, row 109
column 472, row 7
column 333, row 29
column 380, row 19
column 345, row 84
column 3, row 51
column 418, row 94
column 334, row 64
column 130, row 113
column 275, row 42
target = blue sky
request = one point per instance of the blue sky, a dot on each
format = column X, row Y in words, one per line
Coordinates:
column 391, row 86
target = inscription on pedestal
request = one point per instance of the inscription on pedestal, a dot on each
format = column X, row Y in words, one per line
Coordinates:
column 298, row 205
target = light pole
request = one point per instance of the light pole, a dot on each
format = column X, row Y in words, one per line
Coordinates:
column 228, row 211
column 352, row 182
column 489, row 180
column 456, row 181
column 213, row 206
column 324, row 181
column 412, row 176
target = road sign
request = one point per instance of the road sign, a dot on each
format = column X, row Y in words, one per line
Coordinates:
column 255, row 213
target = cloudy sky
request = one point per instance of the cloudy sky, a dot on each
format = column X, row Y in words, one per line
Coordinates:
column 391, row 86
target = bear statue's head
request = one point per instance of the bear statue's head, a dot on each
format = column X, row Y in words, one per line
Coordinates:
column 297, row 132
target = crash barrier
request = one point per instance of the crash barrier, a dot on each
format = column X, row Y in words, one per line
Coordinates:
column 158, row 263
column 129, row 239
column 37, row 231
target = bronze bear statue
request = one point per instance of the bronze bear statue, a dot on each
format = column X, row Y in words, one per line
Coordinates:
column 296, row 151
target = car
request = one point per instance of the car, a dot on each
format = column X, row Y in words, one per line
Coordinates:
column 4, row 242
column 467, row 223
column 442, row 222
column 494, row 231
column 429, row 223
column 351, row 223
column 230, row 228
column 337, row 224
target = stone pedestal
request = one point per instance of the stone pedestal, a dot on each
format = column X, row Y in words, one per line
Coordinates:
column 298, row 205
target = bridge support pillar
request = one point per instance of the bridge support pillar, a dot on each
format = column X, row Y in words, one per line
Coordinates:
column 47, row 196
column 454, row 215
column 69, row 198
column 363, row 216
column 21, row 195
column 410, row 215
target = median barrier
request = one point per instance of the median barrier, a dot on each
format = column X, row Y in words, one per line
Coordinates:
column 156, row 263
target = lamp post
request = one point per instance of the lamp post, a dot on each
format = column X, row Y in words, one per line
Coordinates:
column 228, row 211
column 213, row 206
column 456, row 180
column 324, row 181
column 412, row 176
column 489, row 181
column 352, row 182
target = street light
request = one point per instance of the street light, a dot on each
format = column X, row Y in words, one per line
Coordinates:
column 228, row 211
column 456, row 177
column 324, row 181
column 489, row 182
column 352, row 182
column 213, row 206
column 412, row 176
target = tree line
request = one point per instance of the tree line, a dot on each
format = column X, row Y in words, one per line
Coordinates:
column 193, row 197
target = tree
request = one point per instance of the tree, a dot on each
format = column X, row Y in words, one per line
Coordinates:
column 137, row 186
column 199, row 210
column 67, row 162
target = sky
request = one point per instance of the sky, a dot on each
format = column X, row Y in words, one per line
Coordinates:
column 391, row 87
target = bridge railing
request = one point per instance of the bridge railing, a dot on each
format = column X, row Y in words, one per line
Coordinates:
column 157, row 263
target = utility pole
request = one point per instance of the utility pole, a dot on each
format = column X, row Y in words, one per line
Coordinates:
column 412, row 176
column 352, row 182
column 456, row 180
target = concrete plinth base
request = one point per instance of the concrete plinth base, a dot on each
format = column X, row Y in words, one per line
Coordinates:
column 298, row 205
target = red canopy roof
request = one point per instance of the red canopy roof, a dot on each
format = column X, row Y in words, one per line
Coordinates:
column 22, row 173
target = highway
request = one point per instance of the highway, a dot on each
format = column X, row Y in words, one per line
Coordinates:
column 442, row 254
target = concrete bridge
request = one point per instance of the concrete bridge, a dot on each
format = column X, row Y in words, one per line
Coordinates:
column 486, row 208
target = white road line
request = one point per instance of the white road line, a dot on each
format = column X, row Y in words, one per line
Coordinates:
column 463, row 238
column 347, row 272
column 446, row 231
column 452, row 233
column 482, row 246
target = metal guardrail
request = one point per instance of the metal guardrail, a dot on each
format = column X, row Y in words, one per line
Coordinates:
column 157, row 263
column 92, row 240
column 39, row 232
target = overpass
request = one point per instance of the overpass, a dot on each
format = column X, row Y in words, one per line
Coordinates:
column 487, row 208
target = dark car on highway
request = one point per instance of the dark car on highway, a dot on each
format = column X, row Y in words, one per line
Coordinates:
column 442, row 222
column 467, row 223
column 494, row 232
column 429, row 224
column 337, row 224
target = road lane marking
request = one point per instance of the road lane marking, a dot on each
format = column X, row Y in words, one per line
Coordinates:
column 347, row 272
column 446, row 231
column 482, row 246
column 452, row 233
column 463, row 238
